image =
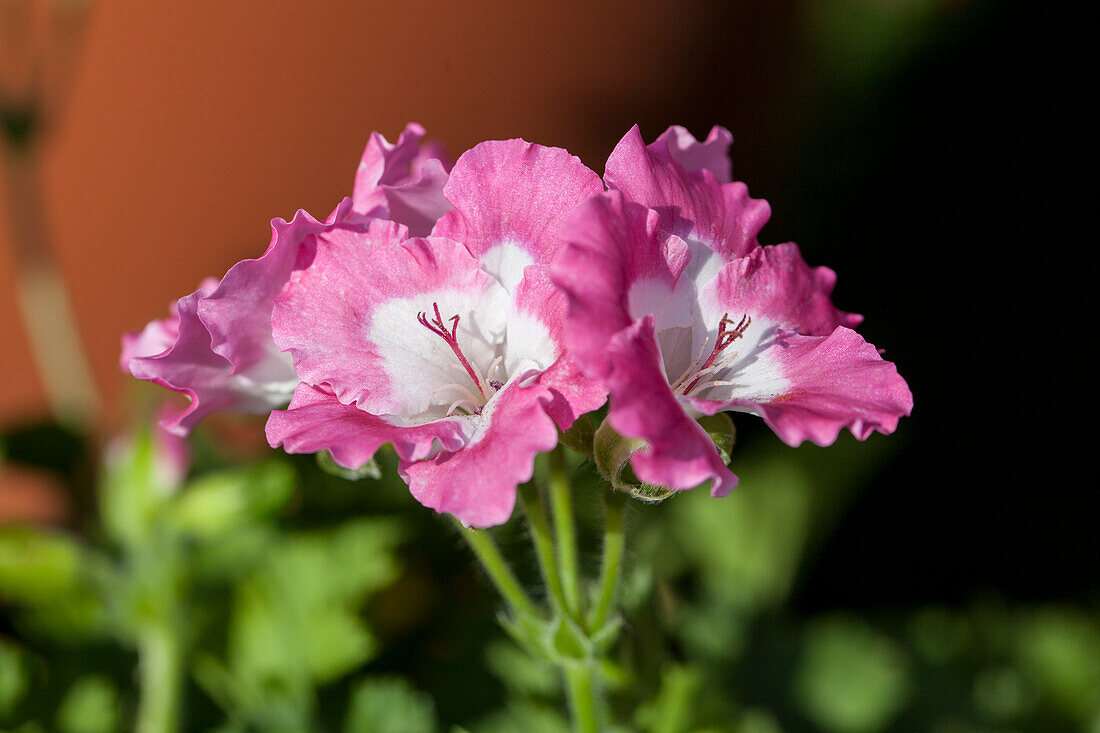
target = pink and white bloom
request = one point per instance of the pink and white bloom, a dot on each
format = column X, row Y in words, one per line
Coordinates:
column 449, row 347
column 217, row 347
column 674, row 304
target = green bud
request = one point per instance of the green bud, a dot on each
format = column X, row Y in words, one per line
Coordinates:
column 612, row 452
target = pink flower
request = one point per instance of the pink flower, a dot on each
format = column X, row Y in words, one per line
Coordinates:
column 217, row 347
column 449, row 346
column 674, row 304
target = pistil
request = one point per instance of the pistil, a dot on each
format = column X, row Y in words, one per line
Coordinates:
column 727, row 334
column 439, row 328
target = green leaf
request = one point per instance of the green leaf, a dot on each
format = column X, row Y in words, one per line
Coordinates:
column 221, row 502
column 91, row 706
column 133, row 489
column 568, row 641
column 1060, row 650
column 851, row 679
column 389, row 706
column 335, row 641
column 671, row 710
column 38, row 567
column 527, row 674
column 13, row 678
column 296, row 620
column 527, row 717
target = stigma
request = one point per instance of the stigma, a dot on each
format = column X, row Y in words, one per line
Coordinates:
column 699, row 375
column 468, row 402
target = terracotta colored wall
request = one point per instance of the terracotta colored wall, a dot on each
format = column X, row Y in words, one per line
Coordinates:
column 190, row 125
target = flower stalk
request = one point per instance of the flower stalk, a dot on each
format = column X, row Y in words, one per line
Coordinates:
column 584, row 705
column 497, row 569
column 613, row 544
column 161, row 674
column 561, row 501
column 543, row 539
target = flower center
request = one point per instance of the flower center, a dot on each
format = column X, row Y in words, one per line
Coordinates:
column 486, row 387
column 699, row 375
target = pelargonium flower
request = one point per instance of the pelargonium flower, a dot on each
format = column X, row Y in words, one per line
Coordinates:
column 217, row 348
column 674, row 304
column 449, row 347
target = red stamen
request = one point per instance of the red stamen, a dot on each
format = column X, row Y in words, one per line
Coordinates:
column 725, row 338
column 439, row 328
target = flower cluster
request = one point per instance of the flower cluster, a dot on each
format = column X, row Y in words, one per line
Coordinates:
column 467, row 314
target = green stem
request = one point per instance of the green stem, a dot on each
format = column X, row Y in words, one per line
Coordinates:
column 561, row 502
column 486, row 550
column 580, row 685
column 160, row 666
column 613, row 543
column 544, row 541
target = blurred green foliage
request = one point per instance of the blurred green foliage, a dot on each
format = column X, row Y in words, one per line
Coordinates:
column 282, row 596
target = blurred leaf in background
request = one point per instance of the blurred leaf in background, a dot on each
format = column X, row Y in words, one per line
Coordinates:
column 263, row 581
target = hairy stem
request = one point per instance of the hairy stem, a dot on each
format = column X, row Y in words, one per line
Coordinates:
column 561, row 503
column 544, row 542
column 499, row 573
column 580, row 686
column 613, row 543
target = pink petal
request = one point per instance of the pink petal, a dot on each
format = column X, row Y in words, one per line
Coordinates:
column 680, row 454
column 316, row 421
column 323, row 316
column 478, row 483
column 191, row 367
column 572, row 393
column 774, row 282
column 711, row 154
column 153, row 340
column 693, row 204
column 238, row 312
column 833, row 382
column 610, row 244
column 173, row 452
column 402, row 181
column 514, row 192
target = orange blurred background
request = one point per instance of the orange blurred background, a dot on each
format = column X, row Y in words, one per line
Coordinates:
column 188, row 126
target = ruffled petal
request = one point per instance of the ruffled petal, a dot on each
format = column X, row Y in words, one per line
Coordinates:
column 191, row 367
column 537, row 298
column 402, row 181
column 810, row 388
column 680, row 454
column 153, row 340
column 775, row 283
column 478, row 483
column 514, row 193
column 572, row 392
column 238, row 312
column 711, row 154
column 693, row 204
column 349, row 315
column 316, row 420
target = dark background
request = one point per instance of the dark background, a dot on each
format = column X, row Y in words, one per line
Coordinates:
column 918, row 147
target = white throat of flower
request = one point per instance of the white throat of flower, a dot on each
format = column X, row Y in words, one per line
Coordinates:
column 449, row 352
